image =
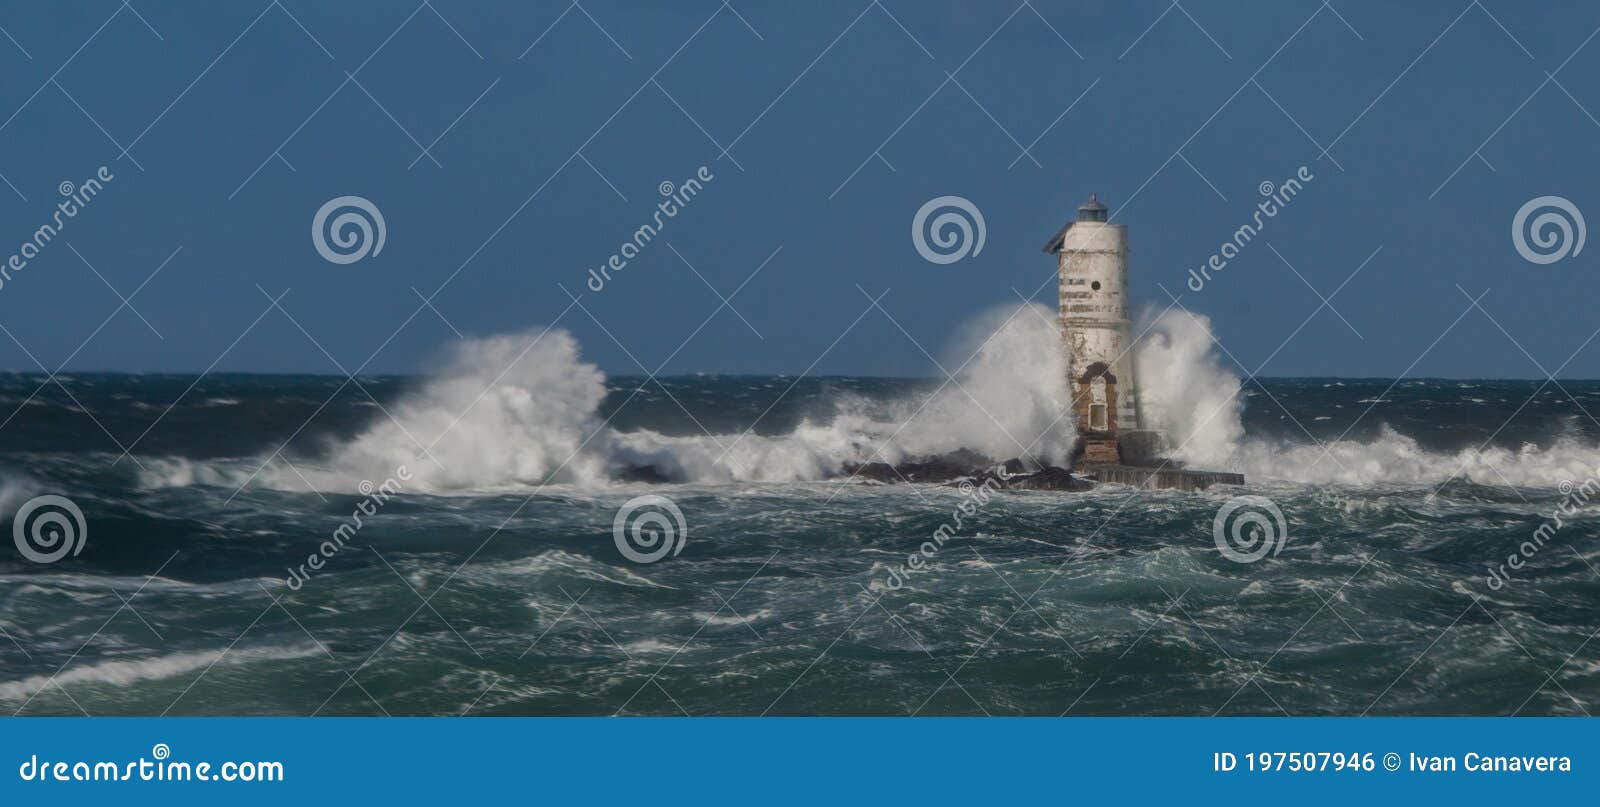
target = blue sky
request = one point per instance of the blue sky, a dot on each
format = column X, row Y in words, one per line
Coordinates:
column 840, row 119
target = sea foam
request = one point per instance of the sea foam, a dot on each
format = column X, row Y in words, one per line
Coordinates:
column 513, row 411
column 519, row 410
column 1188, row 392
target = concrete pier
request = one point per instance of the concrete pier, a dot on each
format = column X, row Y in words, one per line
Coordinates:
column 1156, row 478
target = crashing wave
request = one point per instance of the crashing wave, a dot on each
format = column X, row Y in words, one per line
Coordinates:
column 514, row 411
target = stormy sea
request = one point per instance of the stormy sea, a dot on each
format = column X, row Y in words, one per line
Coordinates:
column 515, row 533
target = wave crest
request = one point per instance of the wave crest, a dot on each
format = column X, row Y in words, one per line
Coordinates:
column 518, row 410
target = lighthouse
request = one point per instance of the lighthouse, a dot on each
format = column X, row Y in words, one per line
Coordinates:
column 1092, row 262
column 1118, row 442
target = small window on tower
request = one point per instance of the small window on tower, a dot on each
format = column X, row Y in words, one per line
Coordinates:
column 1095, row 285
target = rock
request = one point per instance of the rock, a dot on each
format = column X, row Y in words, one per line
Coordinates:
column 955, row 468
column 874, row 472
column 1049, row 478
column 968, row 467
column 644, row 473
column 960, row 464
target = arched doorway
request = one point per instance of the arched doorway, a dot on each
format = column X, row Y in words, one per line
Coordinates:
column 1096, row 405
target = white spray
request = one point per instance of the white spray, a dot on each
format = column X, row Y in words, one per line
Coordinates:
column 1008, row 398
column 506, row 410
column 1185, row 391
column 521, row 410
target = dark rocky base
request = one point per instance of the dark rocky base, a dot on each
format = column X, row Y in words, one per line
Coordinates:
column 950, row 467
column 965, row 466
column 1048, row 478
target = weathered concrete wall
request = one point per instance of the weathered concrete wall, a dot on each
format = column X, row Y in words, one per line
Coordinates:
column 1143, row 447
column 1093, row 270
column 1157, row 478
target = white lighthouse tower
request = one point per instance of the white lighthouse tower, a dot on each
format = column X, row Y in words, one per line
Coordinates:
column 1093, row 266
